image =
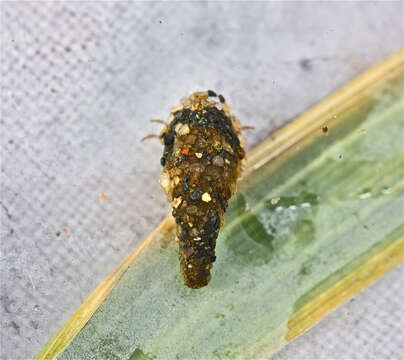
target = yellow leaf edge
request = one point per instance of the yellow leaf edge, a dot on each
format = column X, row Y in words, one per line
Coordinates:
column 340, row 102
column 330, row 299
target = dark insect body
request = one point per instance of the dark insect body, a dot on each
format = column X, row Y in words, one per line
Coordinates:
column 202, row 160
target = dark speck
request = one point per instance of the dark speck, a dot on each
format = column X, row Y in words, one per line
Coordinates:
column 11, row 141
column 68, row 49
column 206, row 155
column 325, row 129
column 178, row 114
column 227, row 121
column 305, row 64
column 211, row 93
column 203, row 122
column 186, row 113
column 58, row 233
column 5, row 208
column 16, row 327
column 163, row 161
column 201, row 276
column 34, row 324
column 183, row 234
column 169, row 138
column 196, row 195
column 221, row 98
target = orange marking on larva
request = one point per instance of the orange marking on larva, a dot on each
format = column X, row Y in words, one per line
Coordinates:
column 185, row 151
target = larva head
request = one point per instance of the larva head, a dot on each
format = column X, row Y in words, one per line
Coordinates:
column 201, row 100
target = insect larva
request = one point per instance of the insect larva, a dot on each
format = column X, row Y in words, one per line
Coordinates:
column 203, row 152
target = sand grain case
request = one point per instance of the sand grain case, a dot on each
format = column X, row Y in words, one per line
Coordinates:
column 202, row 159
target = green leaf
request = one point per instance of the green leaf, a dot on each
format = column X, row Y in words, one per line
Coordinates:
column 318, row 216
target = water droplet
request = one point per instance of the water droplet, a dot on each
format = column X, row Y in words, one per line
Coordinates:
column 305, row 205
column 386, row 190
column 275, row 200
column 292, row 207
column 365, row 194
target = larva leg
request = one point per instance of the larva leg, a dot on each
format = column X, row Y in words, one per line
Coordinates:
column 151, row 136
column 162, row 122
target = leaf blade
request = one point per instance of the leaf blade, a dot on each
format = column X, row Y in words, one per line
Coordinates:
column 314, row 186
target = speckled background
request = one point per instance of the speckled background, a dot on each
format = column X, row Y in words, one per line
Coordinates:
column 79, row 83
